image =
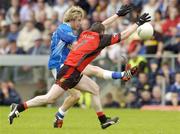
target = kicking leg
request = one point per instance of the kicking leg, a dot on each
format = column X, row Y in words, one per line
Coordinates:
column 55, row 92
column 102, row 73
column 106, row 74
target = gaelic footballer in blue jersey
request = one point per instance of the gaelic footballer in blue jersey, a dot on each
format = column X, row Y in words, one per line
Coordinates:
column 61, row 42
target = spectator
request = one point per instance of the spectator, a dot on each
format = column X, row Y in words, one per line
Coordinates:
column 167, row 72
column 85, row 25
column 175, row 91
column 150, row 8
column 144, row 88
column 4, row 29
column 165, row 4
column 154, row 45
column 42, row 7
column 174, row 46
column 53, row 27
column 136, row 60
column 47, row 27
column 71, row 3
column 13, row 49
column 46, row 44
column 143, row 84
column 54, row 18
column 3, row 46
column 132, row 100
column 12, row 11
column 102, row 5
column 40, row 22
column 16, row 19
column 110, row 102
column 2, row 16
column 101, row 9
column 145, row 98
column 38, row 47
column 8, row 72
column 26, row 36
column 170, row 23
column 14, row 31
column 92, row 8
column 160, row 81
column 60, row 8
column 8, row 94
column 113, row 7
column 27, row 11
column 153, row 70
column 41, row 88
column 156, row 95
column 95, row 17
column 177, row 67
column 158, row 21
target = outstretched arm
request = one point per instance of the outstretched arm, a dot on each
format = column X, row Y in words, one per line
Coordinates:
column 109, row 39
column 110, row 20
column 141, row 20
column 126, row 33
column 125, row 9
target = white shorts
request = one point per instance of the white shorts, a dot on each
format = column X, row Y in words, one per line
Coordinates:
column 54, row 71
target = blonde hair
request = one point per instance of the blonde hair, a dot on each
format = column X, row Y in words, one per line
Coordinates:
column 72, row 13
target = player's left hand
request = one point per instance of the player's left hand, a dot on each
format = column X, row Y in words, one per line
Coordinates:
column 125, row 9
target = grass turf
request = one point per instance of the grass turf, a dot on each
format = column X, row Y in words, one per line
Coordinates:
column 80, row 121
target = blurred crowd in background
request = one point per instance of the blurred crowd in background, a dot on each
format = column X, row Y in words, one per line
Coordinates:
column 26, row 27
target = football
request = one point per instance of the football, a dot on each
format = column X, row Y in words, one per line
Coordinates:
column 145, row 31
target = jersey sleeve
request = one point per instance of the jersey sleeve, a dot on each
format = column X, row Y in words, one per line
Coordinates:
column 115, row 38
column 109, row 39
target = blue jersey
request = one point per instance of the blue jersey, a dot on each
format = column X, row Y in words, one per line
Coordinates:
column 61, row 40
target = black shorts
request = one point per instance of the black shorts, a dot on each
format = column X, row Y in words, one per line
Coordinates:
column 68, row 77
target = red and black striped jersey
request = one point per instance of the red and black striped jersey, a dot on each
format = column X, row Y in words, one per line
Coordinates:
column 88, row 47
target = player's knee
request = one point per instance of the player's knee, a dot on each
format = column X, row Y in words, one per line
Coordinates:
column 50, row 100
column 96, row 90
column 76, row 96
column 95, row 69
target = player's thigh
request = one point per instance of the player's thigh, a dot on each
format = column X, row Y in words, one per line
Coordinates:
column 55, row 92
column 74, row 92
column 88, row 85
column 93, row 70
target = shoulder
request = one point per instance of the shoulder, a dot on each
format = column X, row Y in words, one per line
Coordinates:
column 65, row 27
column 173, row 88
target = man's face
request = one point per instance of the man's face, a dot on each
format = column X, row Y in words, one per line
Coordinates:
column 177, row 77
column 142, row 78
column 76, row 23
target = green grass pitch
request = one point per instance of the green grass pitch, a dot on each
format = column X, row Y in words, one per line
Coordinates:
column 84, row 121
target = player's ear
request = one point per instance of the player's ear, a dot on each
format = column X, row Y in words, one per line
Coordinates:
column 97, row 27
column 102, row 32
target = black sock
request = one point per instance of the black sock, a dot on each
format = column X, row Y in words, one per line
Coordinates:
column 20, row 107
column 102, row 118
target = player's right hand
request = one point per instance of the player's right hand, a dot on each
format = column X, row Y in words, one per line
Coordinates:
column 143, row 19
column 125, row 9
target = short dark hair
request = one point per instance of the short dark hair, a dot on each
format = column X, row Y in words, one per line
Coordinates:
column 177, row 72
column 97, row 27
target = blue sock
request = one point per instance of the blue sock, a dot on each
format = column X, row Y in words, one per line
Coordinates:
column 117, row 75
column 59, row 115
